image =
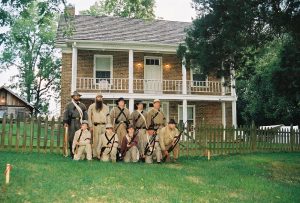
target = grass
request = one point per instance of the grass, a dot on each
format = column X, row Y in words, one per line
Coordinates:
column 269, row 177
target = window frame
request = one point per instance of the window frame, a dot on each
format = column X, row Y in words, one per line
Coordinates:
column 194, row 113
column 192, row 80
column 111, row 65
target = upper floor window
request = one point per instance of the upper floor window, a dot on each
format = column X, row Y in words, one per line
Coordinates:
column 103, row 66
column 198, row 78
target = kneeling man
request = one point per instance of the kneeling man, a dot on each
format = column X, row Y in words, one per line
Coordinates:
column 129, row 148
column 81, row 146
column 108, row 144
column 168, row 141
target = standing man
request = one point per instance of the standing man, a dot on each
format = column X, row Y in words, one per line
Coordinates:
column 98, row 114
column 75, row 112
column 108, row 143
column 139, row 121
column 82, row 143
column 129, row 148
column 150, row 146
column 156, row 117
column 167, row 139
column 120, row 117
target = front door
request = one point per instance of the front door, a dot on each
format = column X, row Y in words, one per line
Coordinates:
column 153, row 75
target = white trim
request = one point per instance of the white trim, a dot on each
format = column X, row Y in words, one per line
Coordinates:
column 194, row 113
column 74, row 67
column 167, row 114
column 130, row 70
column 121, row 45
column 103, row 56
column 192, row 80
column 183, row 70
column 174, row 97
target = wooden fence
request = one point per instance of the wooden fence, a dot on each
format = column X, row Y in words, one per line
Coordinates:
column 47, row 135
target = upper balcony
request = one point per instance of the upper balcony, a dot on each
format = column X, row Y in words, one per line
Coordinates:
column 150, row 86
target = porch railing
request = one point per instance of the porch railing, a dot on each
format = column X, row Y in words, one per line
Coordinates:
column 150, row 86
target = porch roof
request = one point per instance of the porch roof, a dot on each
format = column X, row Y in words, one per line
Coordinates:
column 120, row 29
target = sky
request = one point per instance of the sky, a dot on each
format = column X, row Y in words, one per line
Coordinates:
column 175, row 10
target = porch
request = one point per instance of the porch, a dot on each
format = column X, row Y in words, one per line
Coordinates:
column 150, row 86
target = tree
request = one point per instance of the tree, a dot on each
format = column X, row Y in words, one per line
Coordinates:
column 142, row 9
column 240, row 35
column 30, row 48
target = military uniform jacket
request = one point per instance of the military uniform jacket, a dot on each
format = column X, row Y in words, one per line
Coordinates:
column 139, row 119
column 85, row 138
column 156, row 117
column 167, row 136
column 147, row 139
column 99, row 117
column 103, row 141
column 117, row 117
column 72, row 118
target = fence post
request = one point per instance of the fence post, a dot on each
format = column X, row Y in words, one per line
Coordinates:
column 3, row 130
column 292, row 138
column 253, row 137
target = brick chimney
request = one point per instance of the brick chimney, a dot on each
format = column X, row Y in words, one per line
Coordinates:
column 70, row 10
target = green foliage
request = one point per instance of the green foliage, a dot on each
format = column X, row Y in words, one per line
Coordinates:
column 243, row 178
column 268, row 90
column 142, row 9
column 242, row 35
column 30, row 47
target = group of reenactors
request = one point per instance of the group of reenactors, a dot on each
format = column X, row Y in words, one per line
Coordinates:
column 118, row 135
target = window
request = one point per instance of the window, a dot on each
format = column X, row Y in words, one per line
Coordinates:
column 152, row 61
column 190, row 116
column 198, row 78
column 103, row 67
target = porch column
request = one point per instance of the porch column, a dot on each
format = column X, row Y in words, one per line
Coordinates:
column 131, row 105
column 184, row 112
column 74, row 67
column 130, row 71
column 233, row 94
column 223, row 105
column 183, row 70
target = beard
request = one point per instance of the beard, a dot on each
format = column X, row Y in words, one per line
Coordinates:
column 99, row 105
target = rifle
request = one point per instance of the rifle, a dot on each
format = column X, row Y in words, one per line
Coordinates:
column 108, row 142
column 131, row 141
column 76, row 147
column 170, row 149
column 152, row 142
column 65, row 147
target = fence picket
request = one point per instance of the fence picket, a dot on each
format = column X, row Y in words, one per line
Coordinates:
column 31, row 133
column 10, row 133
column 39, row 130
column 24, row 134
column 58, row 135
column 52, row 134
column 3, row 130
column 18, row 134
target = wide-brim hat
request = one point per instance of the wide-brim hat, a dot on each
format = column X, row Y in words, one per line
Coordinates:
column 108, row 126
column 151, row 127
column 75, row 93
column 172, row 121
column 99, row 94
column 85, row 122
column 130, row 126
column 137, row 102
column 120, row 99
column 156, row 100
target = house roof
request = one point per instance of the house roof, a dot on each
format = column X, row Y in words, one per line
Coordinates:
column 17, row 96
column 120, row 29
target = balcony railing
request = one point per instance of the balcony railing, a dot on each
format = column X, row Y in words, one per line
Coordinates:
column 147, row 86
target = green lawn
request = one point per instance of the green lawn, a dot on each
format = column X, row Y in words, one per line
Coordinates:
column 272, row 177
